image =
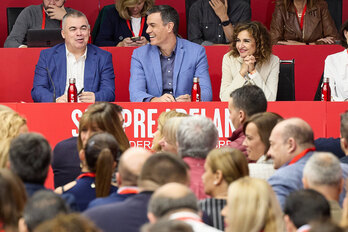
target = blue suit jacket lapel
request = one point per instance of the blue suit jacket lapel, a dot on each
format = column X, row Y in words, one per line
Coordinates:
column 90, row 69
column 179, row 57
column 156, row 64
column 61, row 70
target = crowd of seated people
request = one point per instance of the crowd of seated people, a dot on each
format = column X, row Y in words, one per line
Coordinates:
column 164, row 65
column 292, row 186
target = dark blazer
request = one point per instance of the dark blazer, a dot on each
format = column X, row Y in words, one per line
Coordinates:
column 126, row 216
column 114, row 29
column 318, row 23
column 99, row 76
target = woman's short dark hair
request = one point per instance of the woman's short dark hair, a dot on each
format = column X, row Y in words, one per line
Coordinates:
column 344, row 27
column 262, row 39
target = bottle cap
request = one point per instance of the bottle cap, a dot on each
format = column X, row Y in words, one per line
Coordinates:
column 72, row 80
column 196, row 79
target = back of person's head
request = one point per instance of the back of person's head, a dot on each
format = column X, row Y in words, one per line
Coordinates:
column 165, row 225
column 299, row 130
column 323, row 168
column 168, row 15
column 304, row 206
column 10, row 127
column 68, row 223
column 196, row 136
column 344, row 128
column 162, row 168
column 102, row 153
column 123, row 6
column 249, row 99
column 344, row 29
column 42, row 206
column 104, row 116
column 161, row 121
column 325, row 226
column 253, row 206
column 172, row 197
column 231, row 162
column 12, row 199
column 265, row 122
column 131, row 163
column 30, row 157
column 73, row 14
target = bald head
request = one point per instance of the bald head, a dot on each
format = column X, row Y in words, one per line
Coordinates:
column 131, row 163
column 172, row 197
column 288, row 139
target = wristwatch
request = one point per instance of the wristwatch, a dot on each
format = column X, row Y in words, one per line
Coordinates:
column 225, row 23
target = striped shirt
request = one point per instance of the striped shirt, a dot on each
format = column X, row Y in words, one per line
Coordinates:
column 212, row 207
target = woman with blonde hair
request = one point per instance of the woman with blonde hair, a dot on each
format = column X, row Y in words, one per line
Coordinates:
column 222, row 167
column 12, row 124
column 125, row 24
column 168, row 141
column 252, row 206
column 161, row 121
column 250, row 61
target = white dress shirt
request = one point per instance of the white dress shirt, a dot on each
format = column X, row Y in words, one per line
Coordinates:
column 75, row 68
column 336, row 69
column 136, row 25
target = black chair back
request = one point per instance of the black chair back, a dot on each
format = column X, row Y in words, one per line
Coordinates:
column 335, row 9
column 12, row 14
column 286, row 83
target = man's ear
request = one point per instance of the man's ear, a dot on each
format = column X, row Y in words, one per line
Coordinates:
column 82, row 155
column 305, row 183
column 344, row 145
column 170, row 27
column 242, row 116
column 290, row 227
column 22, row 227
column 63, row 34
column 292, row 145
column 152, row 218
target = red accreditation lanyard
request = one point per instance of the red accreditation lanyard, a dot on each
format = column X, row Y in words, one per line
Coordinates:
column 44, row 19
column 87, row 174
column 299, row 156
column 128, row 191
column 302, row 16
column 141, row 27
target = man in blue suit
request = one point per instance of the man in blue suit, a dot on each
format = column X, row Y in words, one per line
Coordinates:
column 163, row 70
column 292, row 144
column 90, row 66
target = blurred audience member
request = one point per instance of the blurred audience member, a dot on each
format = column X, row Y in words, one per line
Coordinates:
column 99, row 158
column 222, row 167
column 323, row 173
column 196, row 137
column 177, row 202
column 325, row 226
column 30, row 156
column 344, row 135
column 291, row 145
column 300, row 22
column 304, row 206
column 257, row 130
column 47, row 15
column 250, row 61
column 129, row 168
column 42, row 206
column 169, row 142
column 101, row 116
column 12, row 200
column 242, row 104
column 68, row 223
column 165, row 225
column 252, row 206
column 336, row 68
column 125, row 24
column 158, row 170
column 161, row 121
column 211, row 22
column 12, row 124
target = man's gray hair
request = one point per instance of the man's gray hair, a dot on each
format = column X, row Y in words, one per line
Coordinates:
column 161, row 205
column 323, row 168
column 74, row 14
column 196, row 136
